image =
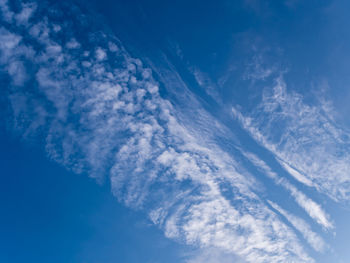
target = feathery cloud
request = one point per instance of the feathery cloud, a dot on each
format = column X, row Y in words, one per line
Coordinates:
column 98, row 111
column 309, row 145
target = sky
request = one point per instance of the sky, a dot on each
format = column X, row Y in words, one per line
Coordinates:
column 174, row 131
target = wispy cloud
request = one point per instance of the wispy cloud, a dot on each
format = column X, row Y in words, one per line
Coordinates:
column 309, row 144
column 98, row 111
column 312, row 238
column 313, row 209
column 212, row 255
column 297, row 175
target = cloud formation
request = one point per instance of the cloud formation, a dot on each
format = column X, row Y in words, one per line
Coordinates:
column 313, row 209
column 308, row 143
column 312, row 238
column 98, row 111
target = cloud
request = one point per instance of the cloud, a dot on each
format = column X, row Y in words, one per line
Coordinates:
column 297, row 175
column 313, row 209
column 100, row 54
column 212, row 255
column 25, row 14
column 73, row 44
column 257, row 70
column 309, row 144
column 312, row 238
column 98, row 111
column 6, row 13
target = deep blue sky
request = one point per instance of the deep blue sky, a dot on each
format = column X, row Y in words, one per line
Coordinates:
column 174, row 131
column 51, row 215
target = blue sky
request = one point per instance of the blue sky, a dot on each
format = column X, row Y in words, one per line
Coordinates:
column 186, row 131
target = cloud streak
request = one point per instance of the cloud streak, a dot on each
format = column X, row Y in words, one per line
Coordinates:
column 98, row 111
column 309, row 144
column 312, row 238
column 313, row 209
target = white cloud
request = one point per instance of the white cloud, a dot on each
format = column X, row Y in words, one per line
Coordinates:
column 108, row 119
column 297, row 175
column 73, row 44
column 309, row 144
column 17, row 72
column 257, row 70
column 313, row 209
column 100, row 54
column 25, row 14
column 212, row 255
column 8, row 44
column 113, row 47
column 6, row 13
column 205, row 82
column 312, row 238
